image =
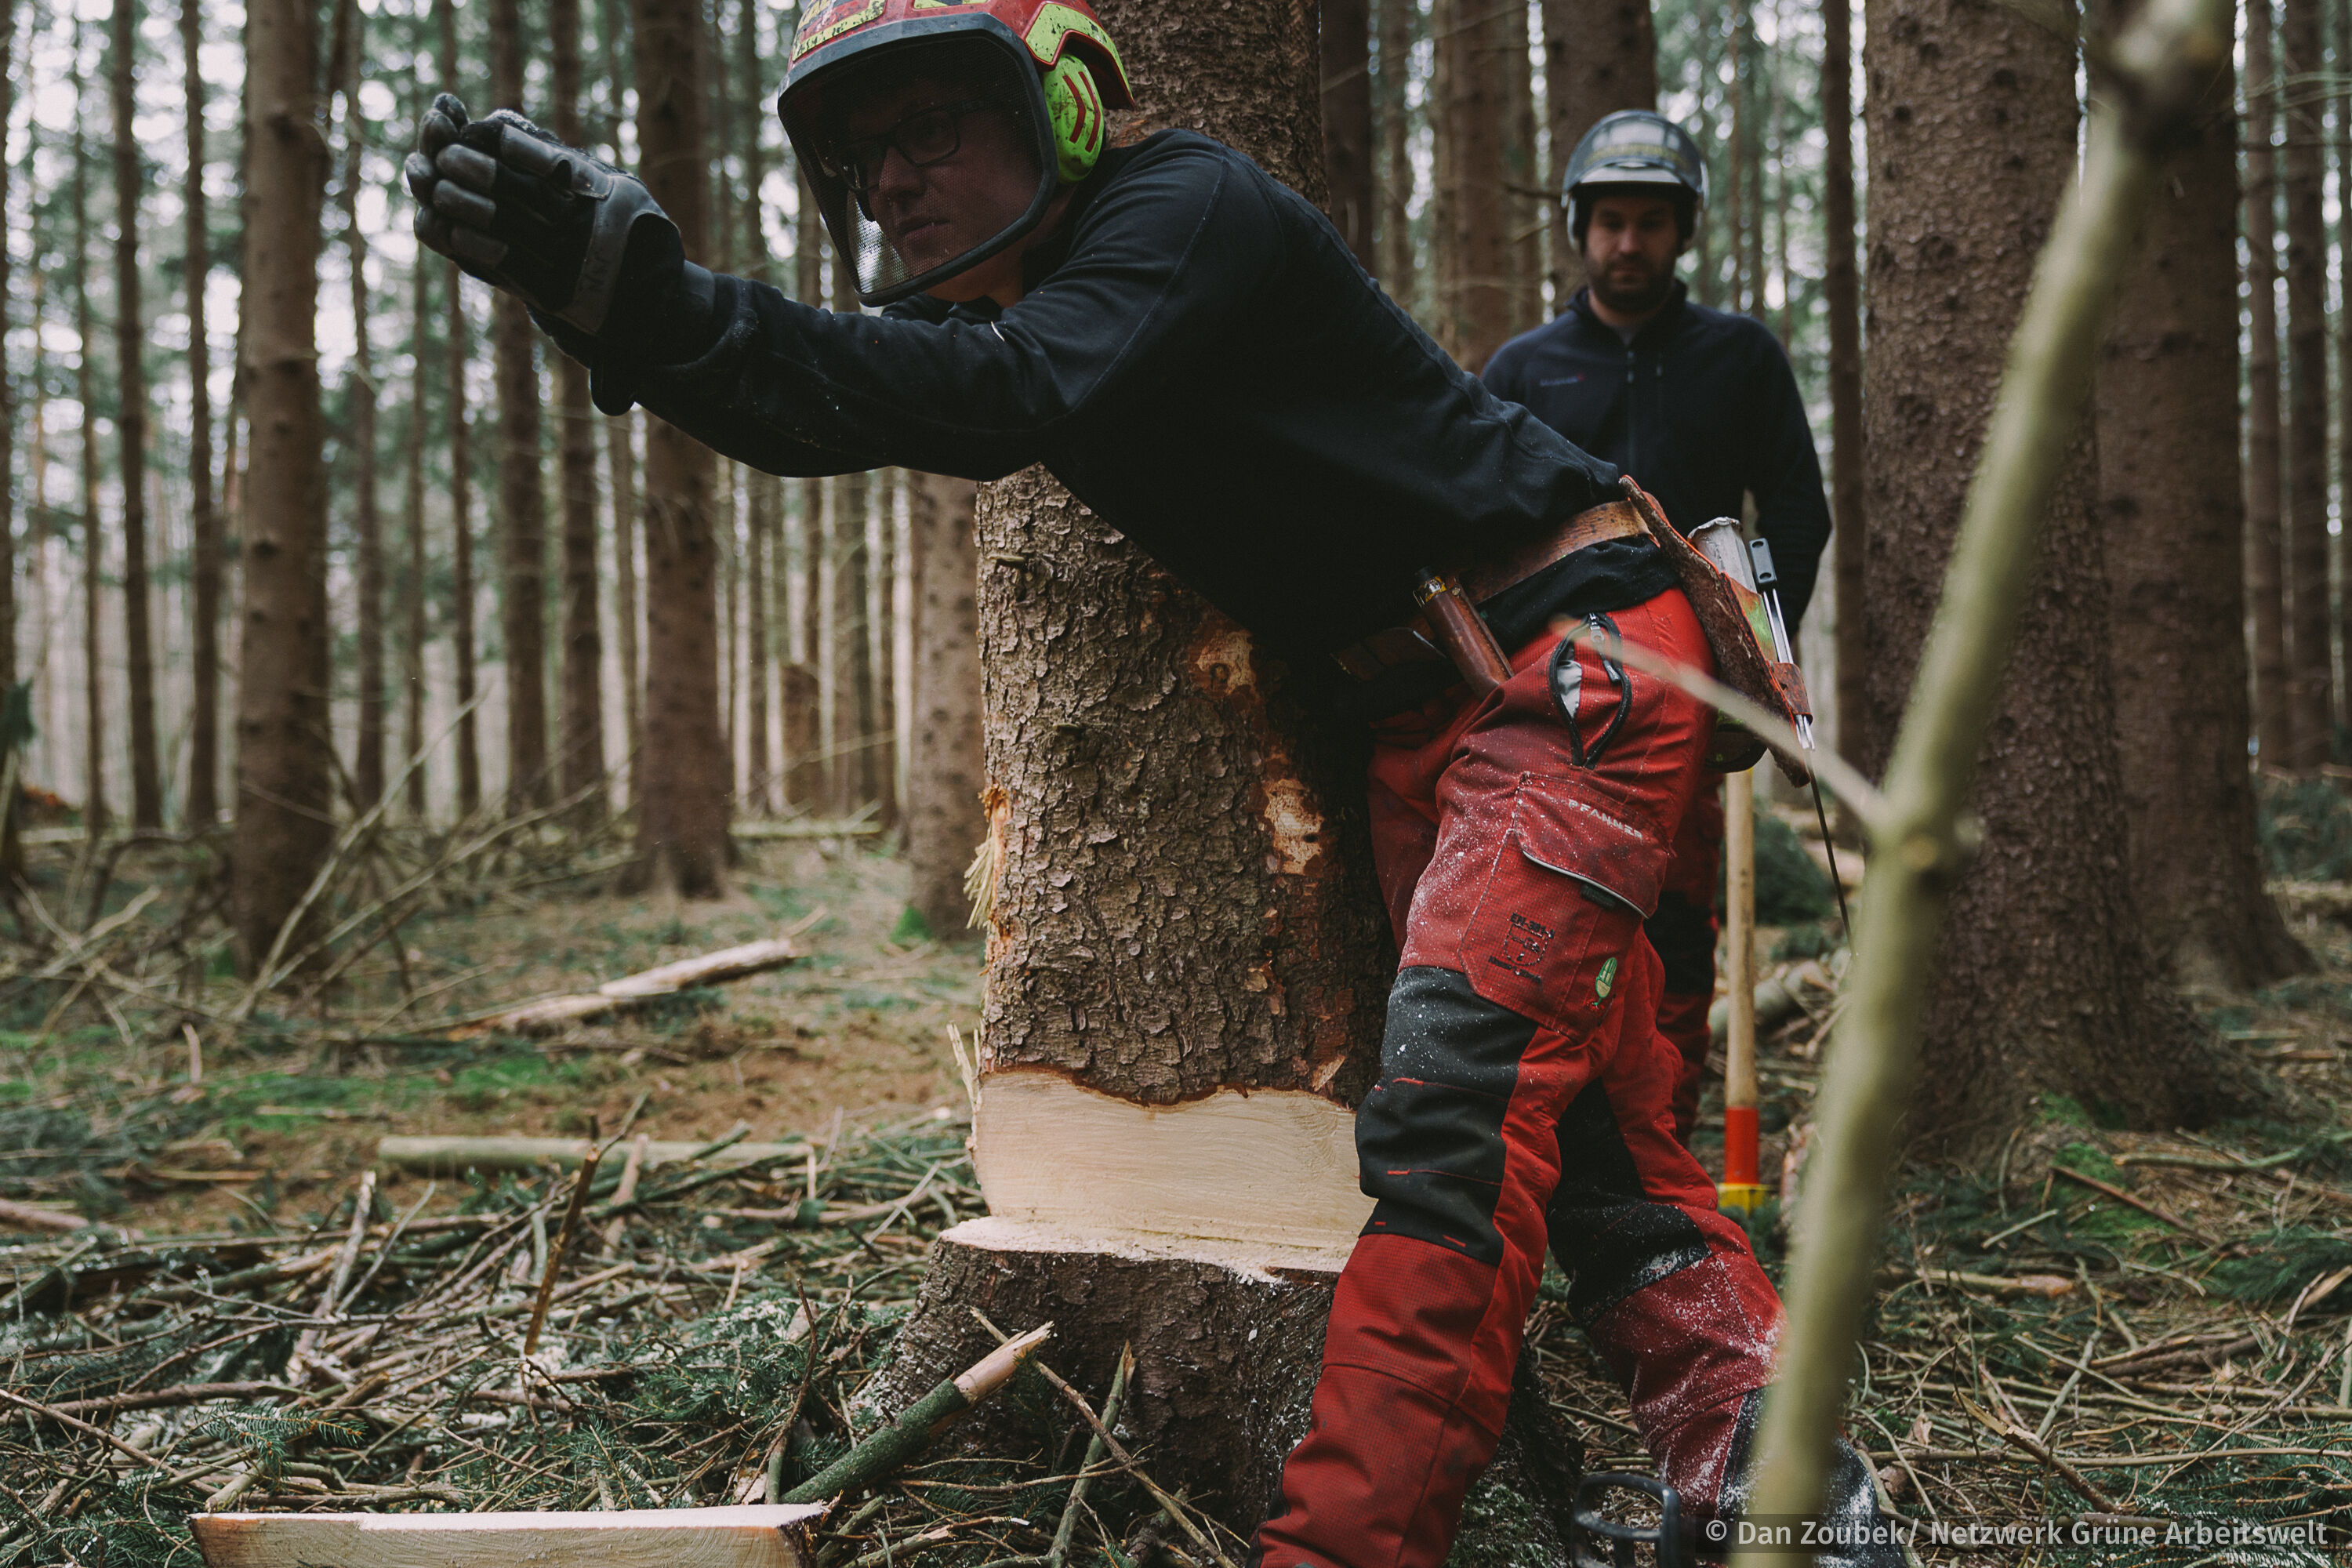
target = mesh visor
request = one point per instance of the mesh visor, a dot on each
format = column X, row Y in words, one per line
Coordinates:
column 926, row 156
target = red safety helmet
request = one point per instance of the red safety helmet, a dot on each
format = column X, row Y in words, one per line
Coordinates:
column 1037, row 75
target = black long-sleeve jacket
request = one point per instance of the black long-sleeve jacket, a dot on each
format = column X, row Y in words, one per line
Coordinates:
column 1700, row 406
column 1198, row 357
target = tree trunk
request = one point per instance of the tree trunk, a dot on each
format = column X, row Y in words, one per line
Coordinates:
column 1736, row 217
column 408, row 594
column 2167, row 407
column 1841, row 287
column 2047, row 983
column 11, row 858
column 130, row 426
column 682, row 806
column 763, row 556
column 803, row 682
column 93, row 582
column 852, row 667
column 1600, row 56
column 1187, row 953
column 204, row 516
column 583, row 754
column 2311, row 667
column 523, row 501
column 944, row 820
column 882, row 617
column 1525, row 220
column 620, row 452
column 2266, row 532
column 461, row 490
column 1474, row 106
column 367, row 524
column 1399, row 20
column 2341, row 16
column 1346, row 43
column 284, row 762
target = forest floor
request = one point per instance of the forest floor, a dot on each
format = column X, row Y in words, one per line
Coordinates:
column 2108, row 1325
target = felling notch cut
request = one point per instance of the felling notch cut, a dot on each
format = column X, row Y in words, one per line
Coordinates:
column 773, row 1535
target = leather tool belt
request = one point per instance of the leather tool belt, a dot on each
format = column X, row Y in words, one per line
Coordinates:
column 1415, row 641
column 1739, row 634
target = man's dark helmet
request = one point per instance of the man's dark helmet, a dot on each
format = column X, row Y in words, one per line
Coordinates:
column 1046, row 66
column 1631, row 149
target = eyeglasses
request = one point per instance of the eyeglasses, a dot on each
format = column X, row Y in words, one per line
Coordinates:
column 926, row 137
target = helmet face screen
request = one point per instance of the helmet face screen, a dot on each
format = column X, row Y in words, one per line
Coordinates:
column 926, row 157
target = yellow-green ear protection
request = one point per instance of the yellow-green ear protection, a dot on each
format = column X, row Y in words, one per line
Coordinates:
column 1074, row 108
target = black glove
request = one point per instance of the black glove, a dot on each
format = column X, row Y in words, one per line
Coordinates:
column 576, row 239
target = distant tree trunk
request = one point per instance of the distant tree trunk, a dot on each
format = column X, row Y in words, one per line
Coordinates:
column 802, row 681
column 944, row 820
column 882, row 617
column 621, row 460
column 1348, row 121
column 583, row 754
column 2171, row 489
column 461, row 492
column 763, row 499
column 1523, row 212
column 2045, row 981
column 522, row 500
column 284, row 761
column 1841, row 286
column 852, row 662
column 1399, row 20
column 93, row 577
column 409, row 594
column 730, row 641
column 1474, row 108
column 204, row 516
column 682, row 807
column 367, row 523
column 9, row 404
column 1600, row 56
column 2265, row 532
column 1736, row 217
column 2310, row 670
column 2341, row 16
column 1441, row 291
column 130, row 426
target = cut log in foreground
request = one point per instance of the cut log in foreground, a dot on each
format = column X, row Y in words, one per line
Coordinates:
column 755, row 1536
column 634, row 990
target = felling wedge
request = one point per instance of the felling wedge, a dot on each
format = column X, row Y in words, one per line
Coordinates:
column 775, row 1535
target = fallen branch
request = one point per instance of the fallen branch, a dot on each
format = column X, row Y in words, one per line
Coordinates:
column 452, row 1156
column 900, row 1441
column 2121, row 1196
column 729, row 963
column 25, row 1217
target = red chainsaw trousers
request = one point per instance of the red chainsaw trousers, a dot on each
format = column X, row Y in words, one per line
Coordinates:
column 1525, row 1102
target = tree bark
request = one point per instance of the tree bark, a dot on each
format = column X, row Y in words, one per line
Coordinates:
column 1525, row 219
column 620, row 452
column 1399, row 21
column 1600, row 56
column 1474, row 105
column 852, row 667
column 2341, row 19
column 1842, row 289
column 131, row 424
column 2047, row 983
column 367, row 523
column 1347, row 52
column 461, row 492
column 204, row 516
column 2166, row 407
column 2265, row 532
column 2311, row 670
column 285, row 799
column 882, row 619
column 93, row 583
column 682, row 807
column 12, row 856
column 763, row 557
column 583, row 754
column 944, row 821
column 1742, row 125
column 803, row 688
column 522, row 502
column 408, row 594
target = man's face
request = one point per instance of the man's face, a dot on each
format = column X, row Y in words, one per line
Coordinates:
column 940, row 173
column 1629, row 248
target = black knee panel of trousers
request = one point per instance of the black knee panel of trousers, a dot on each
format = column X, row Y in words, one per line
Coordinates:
column 1429, row 1137
column 1683, row 935
column 1610, row 1238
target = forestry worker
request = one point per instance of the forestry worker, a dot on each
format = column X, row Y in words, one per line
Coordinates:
column 1189, row 346
column 1703, row 406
